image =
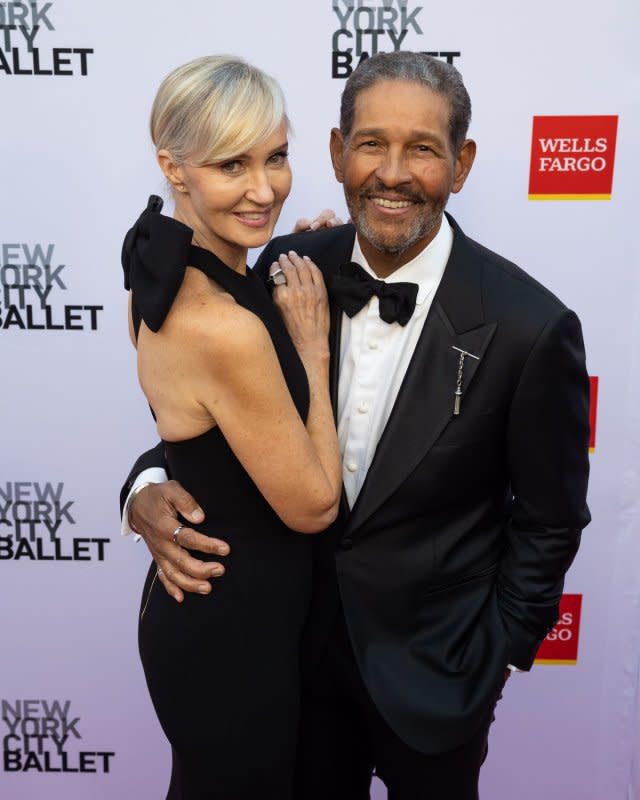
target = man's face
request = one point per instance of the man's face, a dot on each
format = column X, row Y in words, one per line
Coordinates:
column 398, row 169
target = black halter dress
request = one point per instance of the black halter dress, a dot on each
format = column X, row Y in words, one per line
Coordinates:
column 223, row 670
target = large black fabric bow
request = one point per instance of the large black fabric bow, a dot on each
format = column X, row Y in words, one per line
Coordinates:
column 352, row 288
column 155, row 254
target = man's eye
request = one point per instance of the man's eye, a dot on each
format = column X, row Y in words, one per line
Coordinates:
column 424, row 148
column 369, row 144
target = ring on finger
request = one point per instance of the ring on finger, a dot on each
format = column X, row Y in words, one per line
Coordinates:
column 160, row 572
column 277, row 278
column 174, row 535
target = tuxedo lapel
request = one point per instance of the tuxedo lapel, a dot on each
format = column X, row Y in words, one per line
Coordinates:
column 334, row 364
column 334, row 380
column 338, row 253
column 425, row 402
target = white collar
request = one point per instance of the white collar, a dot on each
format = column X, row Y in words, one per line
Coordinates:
column 426, row 269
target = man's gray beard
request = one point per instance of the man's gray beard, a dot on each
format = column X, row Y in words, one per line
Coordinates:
column 420, row 229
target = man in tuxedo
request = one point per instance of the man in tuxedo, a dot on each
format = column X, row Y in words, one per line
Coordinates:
column 461, row 400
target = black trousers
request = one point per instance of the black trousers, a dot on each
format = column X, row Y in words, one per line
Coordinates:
column 343, row 739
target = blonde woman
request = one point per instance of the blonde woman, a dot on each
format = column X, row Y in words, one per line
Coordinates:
column 239, row 389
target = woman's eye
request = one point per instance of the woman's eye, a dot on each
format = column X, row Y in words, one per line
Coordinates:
column 231, row 167
column 279, row 158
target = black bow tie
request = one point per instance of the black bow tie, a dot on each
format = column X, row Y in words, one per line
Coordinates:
column 352, row 288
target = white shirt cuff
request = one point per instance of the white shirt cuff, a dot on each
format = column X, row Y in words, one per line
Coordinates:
column 150, row 475
column 514, row 669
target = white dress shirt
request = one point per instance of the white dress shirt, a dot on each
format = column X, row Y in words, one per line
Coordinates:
column 375, row 355
column 149, row 475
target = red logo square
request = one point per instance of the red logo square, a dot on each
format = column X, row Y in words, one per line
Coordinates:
column 561, row 644
column 572, row 158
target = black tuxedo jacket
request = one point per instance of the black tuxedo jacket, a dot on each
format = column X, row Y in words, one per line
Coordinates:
column 451, row 563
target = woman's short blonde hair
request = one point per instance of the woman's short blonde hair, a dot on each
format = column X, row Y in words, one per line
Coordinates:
column 215, row 108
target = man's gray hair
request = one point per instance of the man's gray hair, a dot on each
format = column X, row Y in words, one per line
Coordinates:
column 442, row 78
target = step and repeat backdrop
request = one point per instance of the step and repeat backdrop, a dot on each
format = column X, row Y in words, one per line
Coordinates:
column 555, row 91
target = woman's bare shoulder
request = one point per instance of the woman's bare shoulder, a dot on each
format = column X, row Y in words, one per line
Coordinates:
column 214, row 324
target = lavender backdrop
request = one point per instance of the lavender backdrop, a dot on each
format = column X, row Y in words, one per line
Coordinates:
column 76, row 83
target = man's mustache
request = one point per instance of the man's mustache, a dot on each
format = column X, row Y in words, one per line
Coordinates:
column 397, row 193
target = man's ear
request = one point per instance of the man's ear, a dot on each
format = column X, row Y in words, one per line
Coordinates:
column 336, row 147
column 172, row 171
column 464, row 162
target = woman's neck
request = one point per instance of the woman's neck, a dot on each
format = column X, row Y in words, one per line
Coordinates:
column 233, row 256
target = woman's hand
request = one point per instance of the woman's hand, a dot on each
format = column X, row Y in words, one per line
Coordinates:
column 325, row 219
column 304, row 305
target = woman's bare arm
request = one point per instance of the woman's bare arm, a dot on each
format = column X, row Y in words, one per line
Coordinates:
column 297, row 468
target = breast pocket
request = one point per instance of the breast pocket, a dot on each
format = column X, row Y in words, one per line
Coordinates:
column 465, row 464
column 472, row 428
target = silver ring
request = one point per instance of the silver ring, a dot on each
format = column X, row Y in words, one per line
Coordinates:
column 174, row 537
column 159, row 572
column 277, row 278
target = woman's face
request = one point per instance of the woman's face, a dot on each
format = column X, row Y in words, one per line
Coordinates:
column 234, row 205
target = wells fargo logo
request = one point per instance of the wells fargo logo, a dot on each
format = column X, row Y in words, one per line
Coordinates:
column 572, row 158
column 593, row 411
column 561, row 644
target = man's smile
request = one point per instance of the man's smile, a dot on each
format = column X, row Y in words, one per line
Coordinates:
column 384, row 203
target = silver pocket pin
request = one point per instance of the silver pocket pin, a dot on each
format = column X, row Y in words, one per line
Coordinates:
column 458, row 392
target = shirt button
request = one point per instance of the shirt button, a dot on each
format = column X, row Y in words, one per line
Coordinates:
column 373, row 345
column 363, row 408
column 352, row 466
